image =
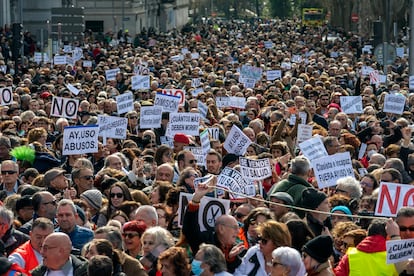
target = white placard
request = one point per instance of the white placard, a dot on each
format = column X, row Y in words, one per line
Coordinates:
column 202, row 108
column 362, row 150
column 195, row 82
column 39, row 57
column 399, row 250
column 273, row 74
column 72, row 89
column 286, row 65
column 59, row 60
column 268, row 44
column 393, row 196
column 176, row 92
column 67, row 48
column 255, row 169
column 187, row 123
column 141, row 70
column 303, row 117
column 394, row 103
column 236, row 102
column 165, row 140
column 399, row 51
column 248, row 83
column 112, row 126
column 313, row 148
column 168, row 103
column 199, row 155
column 111, row 74
column 236, row 141
column 6, row 95
column 205, row 141
column 297, row 59
column 232, row 180
column 177, row 58
column 185, row 51
column 150, row 117
column 77, row 54
column 351, row 104
column 214, row 132
column 140, row 82
column 197, row 91
column 64, row 107
column 366, row 70
column 223, row 102
column 329, row 170
column 411, row 83
column 251, row 72
column 87, row 63
column 124, row 103
column 304, row 132
column 195, row 55
column 80, row 140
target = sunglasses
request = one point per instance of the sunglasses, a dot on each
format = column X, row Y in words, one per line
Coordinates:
column 239, row 215
column 195, row 175
column 405, row 228
column 130, row 235
column 262, row 240
column 193, row 161
column 133, row 117
column 8, row 172
column 118, row 195
column 88, row 177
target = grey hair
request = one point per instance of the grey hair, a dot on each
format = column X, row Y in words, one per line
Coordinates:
column 291, row 258
column 150, row 210
column 113, row 234
column 161, row 236
column 214, row 257
column 6, row 215
column 67, row 202
column 353, row 185
column 300, row 165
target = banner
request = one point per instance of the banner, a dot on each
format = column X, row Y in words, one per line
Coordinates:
column 313, row 148
column 187, row 123
column 236, row 102
column 64, row 107
column 236, row 141
column 111, row 74
column 140, row 82
column 112, row 127
column 399, row 250
column 351, row 104
column 168, row 103
column 124, row 102
column 150, row 117
column 176, row 92
column 329, row 169
column 394, row 103
column 392, row 197
column 80, row 140
column 255, row 169
column 232, row 180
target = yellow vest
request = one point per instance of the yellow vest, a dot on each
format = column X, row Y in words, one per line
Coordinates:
column 362, row 263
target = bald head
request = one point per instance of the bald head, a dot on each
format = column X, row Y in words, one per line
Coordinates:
column 165, row 172
column 56, row 250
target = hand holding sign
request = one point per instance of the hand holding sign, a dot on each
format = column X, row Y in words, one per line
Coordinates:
column 204, row 188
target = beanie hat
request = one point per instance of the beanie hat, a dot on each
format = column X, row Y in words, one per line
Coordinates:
column 312, row 198
column 24, row 201
column 181, row 138
column 135, row 226
column 81, row 213
column 319, row 248
column 342, row 209
column 93, row 198
column 283, row 196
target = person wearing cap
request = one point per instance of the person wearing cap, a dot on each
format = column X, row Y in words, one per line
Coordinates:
column 369, row 256
column 5, row 147
column 10, row 177
column 24, row 209
column 316, row 254
column 280, row 198
column 55, row 181
column 131, row 234
column 93, row 199
column 180, row 141
column 318, row 210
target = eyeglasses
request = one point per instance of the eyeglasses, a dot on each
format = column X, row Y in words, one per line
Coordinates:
column 88, row 177
column 366, row 184
column 8, row 172
column 193, row 175
column 53, row 202
column 133, row 117
column 239, row 215
column 276, row 264
column 130, row 235
column 193, row 161
column 262, row 240
column 118, row 195
column 405, row 228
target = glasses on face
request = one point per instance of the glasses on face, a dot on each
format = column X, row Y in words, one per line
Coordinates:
column 118, row 195
column 239, row 215
column 193, row 161
column 262, row 240
column 405, row 228
column 133, row 117
column 8, row 172
column 88, row 177
column 193, row 175
column 130, row 235
column 274, row 263
column 53, row 202
column 366, row 184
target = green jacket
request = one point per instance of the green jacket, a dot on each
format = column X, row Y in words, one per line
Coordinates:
column 80, row 268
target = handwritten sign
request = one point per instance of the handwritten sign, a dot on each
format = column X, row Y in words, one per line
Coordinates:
column 232, row 180
column 399, row 250
column 214, row 132
column 176, row 92
column 140, row 82
column 273, row 74
column 150, row 117
column 168, row 103
column 329, row 170
column 64, row 107
column 111, row 74
column 394, row 103
column 237, row 142
column 187, row 123
column 112, row 126
column 125, row 102
column 313, row 148
column 351, row 104
column 255, row 169
column 304, row 132
column 80, row 140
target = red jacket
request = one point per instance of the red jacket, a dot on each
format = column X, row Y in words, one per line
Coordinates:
column 28, row 255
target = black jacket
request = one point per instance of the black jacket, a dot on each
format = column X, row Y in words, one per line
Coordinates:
column 80, row 268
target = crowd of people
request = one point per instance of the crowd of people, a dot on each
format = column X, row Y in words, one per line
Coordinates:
column 117, row 211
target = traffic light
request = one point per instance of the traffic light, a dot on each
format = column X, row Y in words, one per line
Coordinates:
column 17, row 40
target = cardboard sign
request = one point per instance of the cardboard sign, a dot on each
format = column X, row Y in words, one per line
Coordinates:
column 111, row 74
column 394, row 103
column 237, row 142
column 199, row 155
column 80, row 140
column 187, row 123
column 313, row 148
column 214, row 132
column 202, row 108
column 411, row 83
column 205, row 141
column 87, row 63
column 329, row 170
column 64, row 107
column 140, row 82
column 210, row 210
column 112, row 127
column 168, row 103
column 150, row 117
column 255, row 169
column 6, row 95
column 176, row 92
column 304, row 132
column 351, row 104
column 232, row 180
column 59, row 60
column 392, row 197
column 273, row 74
column 125, row 103
column 268, row 44
column 250, row 72
column 72, row 89
column 399, row 250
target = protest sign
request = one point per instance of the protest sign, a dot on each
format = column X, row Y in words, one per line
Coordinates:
column 399, row 51
column 392, row 197
column 165, row 140
column 205, row 141
column 6, row 95
column 77, row 54
column 72, row 89
column 141, row 70
column 247, row 83
column 80, row 139
column 67, row 48
column 411, row 83
column 351, row 104
column 168, row 103
column 394, row 103
column 111, row 74
column 195, row 82
column 150, row 117
column 124, row 102
column 202, row 108
column 250, row 72
column 41, row 57
column 214, row 132
column 237, row 142
column 255, row 169
column 366, row 70
column 197, row 91
column 222, row 102
column 297, row 59
column 112, row 126
column 329, row 170
column 87, row 63
column 399, row 250
column 209, row 211
column 176, row 92
column 313, row 148
column 304, row 132
column 187, row 123
column 286, row 65
column 303, row 117
column 238, row 102
column 140, row 82
column 195, row 55
column 232, row 180
column 199, row 155
column 64, row 107
column 59, row 60
column 177, row 58
column 268, row 44
column 273, row 74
